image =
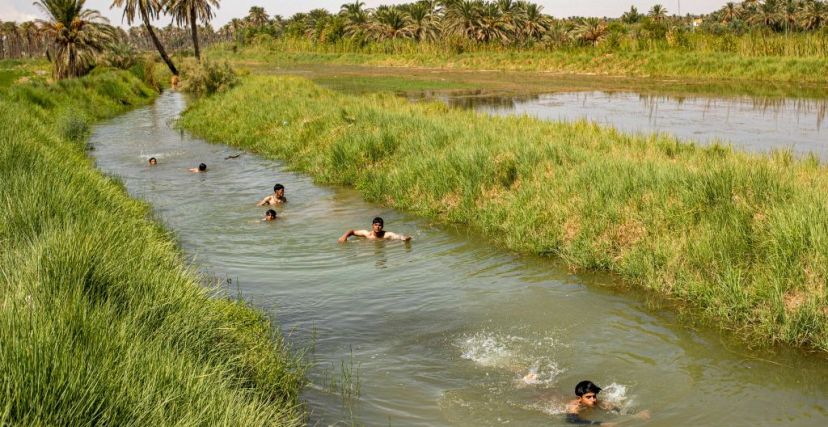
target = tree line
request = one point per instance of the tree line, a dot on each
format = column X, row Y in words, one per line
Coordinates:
column 520, row 23
column 72, row 36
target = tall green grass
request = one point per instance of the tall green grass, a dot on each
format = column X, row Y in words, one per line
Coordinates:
column 101, row 322
column 742, row 238
column 705, row 62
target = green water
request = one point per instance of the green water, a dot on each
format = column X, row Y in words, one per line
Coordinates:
column 443, row 330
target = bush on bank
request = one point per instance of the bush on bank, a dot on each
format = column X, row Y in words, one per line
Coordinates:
column 101, row 322
column 742, row 238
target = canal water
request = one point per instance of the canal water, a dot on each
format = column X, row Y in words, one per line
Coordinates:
column 446, row 330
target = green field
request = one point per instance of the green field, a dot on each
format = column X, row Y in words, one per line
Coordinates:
column 102, row 322
column 741, row 239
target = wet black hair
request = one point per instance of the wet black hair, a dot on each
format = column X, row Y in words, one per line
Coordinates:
column 151, row 159
column 585, row 387
column 377, row 220
column 202, row 167
column 278, row 187
column 270, row 212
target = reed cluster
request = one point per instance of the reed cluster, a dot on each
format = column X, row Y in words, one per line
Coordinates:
column 101, row 322
column 741, row 238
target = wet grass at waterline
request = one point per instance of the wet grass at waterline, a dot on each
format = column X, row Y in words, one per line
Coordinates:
column 742, row 238
column 101, row 322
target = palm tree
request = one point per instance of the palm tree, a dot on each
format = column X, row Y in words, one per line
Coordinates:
column 788, row 14
column 191, row 11
column 813, row 14
column 77, row 35
column 11, row 33
column 422, row 20
column 632, row 16
column 356, row 18
column 147, row 9
column 658, row 13
column 729, row 12
column 390, row 23
column 494, row 25
column 591, row 30
column 257, row 17
column 512, row 15
column 535, row 23
column 28, row 33
column 463, row 17
column 767, row 14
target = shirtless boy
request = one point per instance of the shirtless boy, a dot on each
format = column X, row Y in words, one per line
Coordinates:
column 270, row 215
column 587, row 393
column 201, row 168
column 276, row 198
column 376, row 233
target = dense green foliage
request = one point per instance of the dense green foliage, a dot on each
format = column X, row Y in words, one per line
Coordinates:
column 520, row 24
column 101, row 322
column 208, row 77
column 742, row 238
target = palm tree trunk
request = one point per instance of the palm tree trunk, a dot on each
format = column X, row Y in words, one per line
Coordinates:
column 194, row 26
column 158, row 44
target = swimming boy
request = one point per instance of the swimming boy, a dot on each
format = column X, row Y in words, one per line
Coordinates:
column 153, row 161
column 270, row 215
column 376, row 233
column 587, row 393
column 201, row 168
column 276, row 198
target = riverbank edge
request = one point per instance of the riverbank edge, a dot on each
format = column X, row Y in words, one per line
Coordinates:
column 102, row 320
column 735, row 236
column 665, row 64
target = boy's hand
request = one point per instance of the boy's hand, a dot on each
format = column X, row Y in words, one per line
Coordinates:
column 643, row 415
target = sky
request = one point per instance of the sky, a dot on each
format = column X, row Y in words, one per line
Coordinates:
column 23, row 10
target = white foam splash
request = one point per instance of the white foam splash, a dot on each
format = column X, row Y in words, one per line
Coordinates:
column 617, row 395
column 529, row 359
column 486, row 350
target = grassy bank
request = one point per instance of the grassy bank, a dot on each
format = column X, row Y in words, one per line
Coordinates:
column 742, row 238
column 663, row 63
column 101, row 322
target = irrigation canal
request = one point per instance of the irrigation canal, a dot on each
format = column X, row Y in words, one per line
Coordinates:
column 441, row 331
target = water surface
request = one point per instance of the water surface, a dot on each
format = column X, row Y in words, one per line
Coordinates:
column 440, row 332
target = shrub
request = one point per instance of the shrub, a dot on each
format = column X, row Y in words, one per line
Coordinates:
column 208, row 77
column 74, row 128
column 121, row 56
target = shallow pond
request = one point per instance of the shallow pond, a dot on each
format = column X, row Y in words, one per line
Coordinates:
column 444, row 330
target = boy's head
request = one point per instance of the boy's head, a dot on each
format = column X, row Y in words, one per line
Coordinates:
column 279, row 189
column 587, row 393
column 377, row 224
column 153, row 161
column 202, row 167
column 270, row 215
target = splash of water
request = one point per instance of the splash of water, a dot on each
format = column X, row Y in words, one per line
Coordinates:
column 528, row 358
